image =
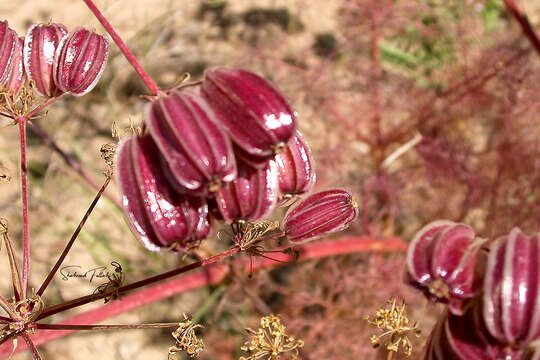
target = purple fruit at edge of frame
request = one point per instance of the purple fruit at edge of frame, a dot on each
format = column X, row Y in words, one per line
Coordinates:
column 511, row 294
column 296, row 173
column 253, row 113
column 320, row 214
column 160, row 217
column 251, row 197
column 466, row 338
column 198, row 154
column 11, row 67
column 80, row 60
column 40, row 44
column 443, row 260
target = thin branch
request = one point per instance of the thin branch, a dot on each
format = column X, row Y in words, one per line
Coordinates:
column 5, row 319
column 73, row 238
column 31, row 346
column 15, row 274
column 523, row 21
column 26, row 224
column 123, row 289
column 150, row 84
column 71, row 161
column 104, row 327
column 212, row 275
column 43, row 105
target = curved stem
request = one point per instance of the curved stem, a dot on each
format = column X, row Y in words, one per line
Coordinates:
column 150, row 84
column 523, row 21
column 31, row 346
column 24, row 188
column 42, row 106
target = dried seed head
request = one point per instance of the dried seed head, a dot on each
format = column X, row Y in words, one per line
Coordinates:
column 396, row 327
column 108, row 152
column 40, row 44
column 4, row 174
column 80, row 60
column 320, row 214
column 116, row 280
column 271, row 341
column 186, row 339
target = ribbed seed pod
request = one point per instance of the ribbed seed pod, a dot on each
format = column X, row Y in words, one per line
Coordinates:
column 442, row 261
column 251, row 197
column 160, row 217
column 11, row 68
column 466, row 338
column 253, row 112
column 40, row 44
column 511, row 294
column 198, row 154
column 320, row 214
column 80, row 60
column 296, row 173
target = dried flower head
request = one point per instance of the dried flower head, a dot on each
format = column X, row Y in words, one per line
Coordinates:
column 396, row 328
column 116, row 280
column 108, row 152
column 271, row 341
column 253, row 232
column 186, row 339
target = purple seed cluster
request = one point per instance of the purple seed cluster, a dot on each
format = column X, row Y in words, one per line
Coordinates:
column 225, row 150
column 54, row 60
column 492, row 289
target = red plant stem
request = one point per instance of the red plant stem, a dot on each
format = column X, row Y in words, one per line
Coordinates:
column 26, row 225
column 212, row 275
column 105, row 327
column 523, row 21
column 43, row 105
column 72, row 162
column 31, row 346
column 150, row 84
column 71, row 241
column 91, row 298
column 5, row 319
column 4, row 304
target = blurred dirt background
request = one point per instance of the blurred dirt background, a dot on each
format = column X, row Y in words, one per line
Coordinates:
column 355, row 107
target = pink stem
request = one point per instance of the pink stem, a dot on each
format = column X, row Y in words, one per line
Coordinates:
column 26, row 226
column 42, row 106
column 213, row 274
column 31, row 345
column 150, row 84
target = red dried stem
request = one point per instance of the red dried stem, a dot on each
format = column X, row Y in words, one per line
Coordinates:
column 150, row 84
column 42, row 106
column 523, row 21
column 31, row 346
column 24, row 188
column 213, row 274
column 73, row 238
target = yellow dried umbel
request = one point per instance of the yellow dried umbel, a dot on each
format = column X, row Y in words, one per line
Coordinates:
column 186, row 339
column 396, row 327
column 271, row 341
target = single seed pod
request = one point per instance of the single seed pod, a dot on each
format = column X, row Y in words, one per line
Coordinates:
column 159, row 216
column 466, row 338
column 296, row 174
column 198, row 154
column 251, row 197
column 320, row 214
column 11, row 68
column 511, row 294
column 40, row 44
column 253, row 112
column 442, row 260
column 80, row 60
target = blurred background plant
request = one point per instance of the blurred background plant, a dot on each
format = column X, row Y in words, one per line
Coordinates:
column 424, row 109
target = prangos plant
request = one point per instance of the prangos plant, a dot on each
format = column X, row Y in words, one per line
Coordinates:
column 223, row 150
